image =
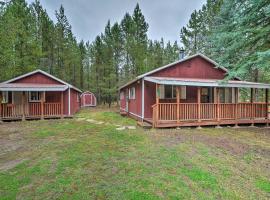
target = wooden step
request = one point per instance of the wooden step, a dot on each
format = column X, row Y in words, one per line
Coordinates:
column 123, row 113
column 145, row 125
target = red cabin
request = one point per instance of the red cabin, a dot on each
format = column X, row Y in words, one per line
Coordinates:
column 192, row 92
column 88, row 99
column 37, row 95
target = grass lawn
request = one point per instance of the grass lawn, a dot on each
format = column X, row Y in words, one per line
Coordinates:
column 77, row 159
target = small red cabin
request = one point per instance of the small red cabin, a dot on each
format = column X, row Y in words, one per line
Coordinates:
column 88, row 99
column 192, row 92
column 37, row 95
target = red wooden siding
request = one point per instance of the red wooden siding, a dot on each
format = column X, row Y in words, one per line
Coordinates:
column 66, row 102
column 74, row 101
column 38, row 78
column 134, row 105
column 194, row 68
column 53, row 97
column 149, row 98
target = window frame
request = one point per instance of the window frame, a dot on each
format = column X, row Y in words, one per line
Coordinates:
column 183, row 95
column 132, row 95
column 30, row 97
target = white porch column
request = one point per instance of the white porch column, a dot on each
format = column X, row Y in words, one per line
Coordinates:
column 142, row 99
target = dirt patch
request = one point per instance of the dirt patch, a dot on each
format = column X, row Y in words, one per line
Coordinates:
column 11, row 164
column 171, row 138
column 234, row 147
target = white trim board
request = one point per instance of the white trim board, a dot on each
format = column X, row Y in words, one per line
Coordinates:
column 135, row 115
column 143, row 98
column 69, row 101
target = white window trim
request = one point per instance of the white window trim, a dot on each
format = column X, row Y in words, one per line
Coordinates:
column 33, row 101
column 134, row 93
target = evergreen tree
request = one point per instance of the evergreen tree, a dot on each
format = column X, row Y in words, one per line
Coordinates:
column 139, row 47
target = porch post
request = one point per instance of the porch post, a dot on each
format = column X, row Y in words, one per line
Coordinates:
column 199, row 103
column 0, row 106
column 62, row 105
column 178, row 93
column 252, row 105
column 215, row 95
column 156, row 114
column 42, row 105
column 266, row 105
column 236, row 90
column 23, row 106
column 218, row 105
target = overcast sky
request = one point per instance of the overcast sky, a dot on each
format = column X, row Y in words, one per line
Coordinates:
column 89, row 17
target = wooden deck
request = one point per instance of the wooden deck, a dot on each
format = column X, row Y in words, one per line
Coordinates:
column 39, row 110
column 204, row 114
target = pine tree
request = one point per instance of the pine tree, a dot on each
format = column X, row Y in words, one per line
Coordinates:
column 139, row 48
column 62, row 30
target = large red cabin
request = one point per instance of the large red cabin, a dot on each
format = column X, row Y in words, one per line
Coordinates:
column 192, row 92
column 37, row 95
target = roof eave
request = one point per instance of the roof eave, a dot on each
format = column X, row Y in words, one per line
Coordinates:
column 209, row 84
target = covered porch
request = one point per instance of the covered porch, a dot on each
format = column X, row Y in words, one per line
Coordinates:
column 215, row 103
column 31, row 101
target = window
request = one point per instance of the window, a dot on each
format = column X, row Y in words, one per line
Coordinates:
column 132, row 93
column 78, row 97
column 169, row 92
column 5, row 97
column 122, row 95
column 34, row 96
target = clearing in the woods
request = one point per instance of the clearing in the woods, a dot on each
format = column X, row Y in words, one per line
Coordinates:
column 89, row 158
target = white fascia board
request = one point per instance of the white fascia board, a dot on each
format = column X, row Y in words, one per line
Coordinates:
column 143, row 98
column 34, row 89
column 69, row 101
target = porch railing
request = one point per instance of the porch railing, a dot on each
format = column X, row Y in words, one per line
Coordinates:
column 168, row 112
column 12, row 111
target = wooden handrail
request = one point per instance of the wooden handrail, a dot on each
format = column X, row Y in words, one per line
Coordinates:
column 29, row 110
column 163, row 112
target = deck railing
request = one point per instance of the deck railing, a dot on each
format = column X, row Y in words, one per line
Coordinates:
column 167, row 112
column 52, row 109
column 30, row 110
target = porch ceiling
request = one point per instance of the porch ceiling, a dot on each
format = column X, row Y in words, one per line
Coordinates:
column 205, row 82
column 31, row 87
